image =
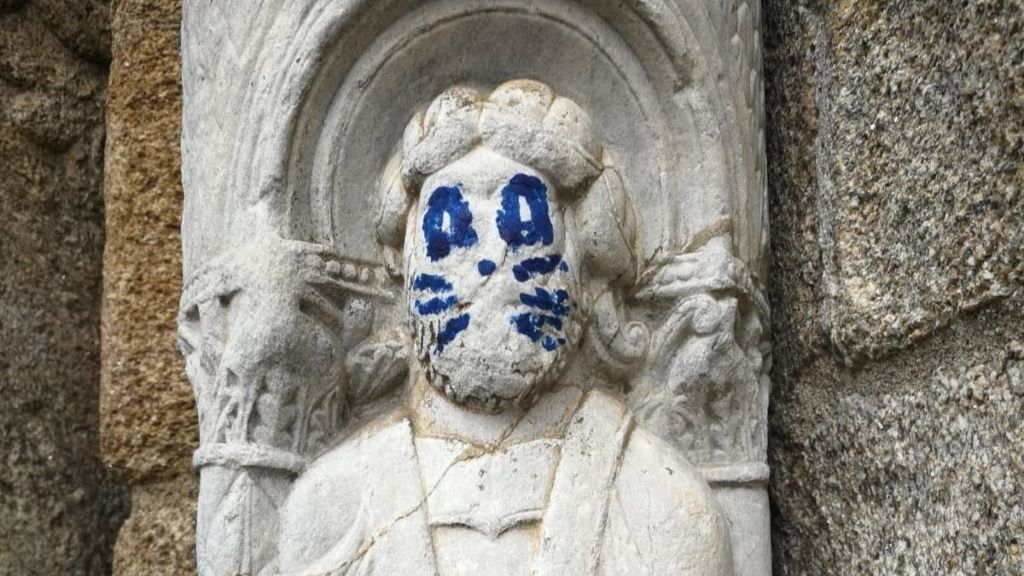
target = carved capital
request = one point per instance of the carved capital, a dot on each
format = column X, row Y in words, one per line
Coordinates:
column 266, row 330
column 705, row 386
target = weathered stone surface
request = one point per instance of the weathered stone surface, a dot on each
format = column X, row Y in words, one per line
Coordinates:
column 926, row 115
column 147, row 413
column 159, row 538
column 901, row 164
column 148, row 417
column 911, row 466
column 83, row 25
column 894, row 158
column 148, row 420
column 793, row 39
column 59, row 510
column 50, row 93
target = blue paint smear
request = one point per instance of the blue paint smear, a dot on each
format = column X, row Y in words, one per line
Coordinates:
column 547, row 301
column 486, row 267
column 536, row 266
column 452, row 328
column 552, row 306
column 431, row 283
column 447, row 200
column 564, row 266
column 435, row 305
column 513, row 229
column 531, row 325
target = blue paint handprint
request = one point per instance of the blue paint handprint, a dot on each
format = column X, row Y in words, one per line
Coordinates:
column 440, row 301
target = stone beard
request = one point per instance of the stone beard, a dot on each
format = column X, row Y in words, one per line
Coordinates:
column 492, row 282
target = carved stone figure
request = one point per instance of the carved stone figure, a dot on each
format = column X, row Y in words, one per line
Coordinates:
column 501, row 461
column 512, row 338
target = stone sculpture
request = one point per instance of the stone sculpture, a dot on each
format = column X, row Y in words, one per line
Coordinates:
column 507, row 361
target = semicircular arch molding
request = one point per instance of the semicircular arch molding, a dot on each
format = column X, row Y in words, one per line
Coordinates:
column 332, row 84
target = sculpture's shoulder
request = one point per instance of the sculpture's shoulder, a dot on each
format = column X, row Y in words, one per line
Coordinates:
column 663, row 515
column 347, row 490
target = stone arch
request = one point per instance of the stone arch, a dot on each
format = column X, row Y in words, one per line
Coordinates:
column 322, row 71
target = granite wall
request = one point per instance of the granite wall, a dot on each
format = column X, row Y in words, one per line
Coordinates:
column 895, row 148
column 59, row 508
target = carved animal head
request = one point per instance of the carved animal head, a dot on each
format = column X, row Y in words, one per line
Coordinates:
column 511, row 223
column 267, row 332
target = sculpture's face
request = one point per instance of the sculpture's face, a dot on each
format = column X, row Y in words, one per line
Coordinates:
column 492, row 281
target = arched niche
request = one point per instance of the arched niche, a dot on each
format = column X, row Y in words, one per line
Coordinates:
column 293, row 107
column 338, row 82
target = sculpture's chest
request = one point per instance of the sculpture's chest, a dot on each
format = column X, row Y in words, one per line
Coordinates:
column 485, row 507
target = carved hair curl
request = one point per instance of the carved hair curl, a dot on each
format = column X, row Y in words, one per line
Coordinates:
column 525, row 121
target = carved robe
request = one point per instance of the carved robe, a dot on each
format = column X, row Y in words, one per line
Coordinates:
column 595, row 494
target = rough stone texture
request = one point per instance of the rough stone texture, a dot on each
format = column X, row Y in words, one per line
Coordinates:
column 159, row 538
column 898, row 228
column 901, row 160
column 59, row 510
column 924, row 170
column 147, row 413
column 148, row 422
column 909, row 466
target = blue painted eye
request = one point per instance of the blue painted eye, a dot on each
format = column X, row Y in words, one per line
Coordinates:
column 518, row 229
column 447, row 223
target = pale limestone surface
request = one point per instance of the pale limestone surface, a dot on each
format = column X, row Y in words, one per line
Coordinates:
column 479, row 322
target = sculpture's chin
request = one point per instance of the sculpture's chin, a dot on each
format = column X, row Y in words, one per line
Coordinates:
column 491, row 397
column 491, row 382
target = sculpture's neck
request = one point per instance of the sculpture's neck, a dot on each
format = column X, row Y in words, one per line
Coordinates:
column 435, row 415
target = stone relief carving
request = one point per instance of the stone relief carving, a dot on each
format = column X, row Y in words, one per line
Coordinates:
column 275, row 343
column 486, row 338
column 706, row 384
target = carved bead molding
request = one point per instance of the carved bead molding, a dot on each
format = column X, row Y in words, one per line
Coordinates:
column 468, row 275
